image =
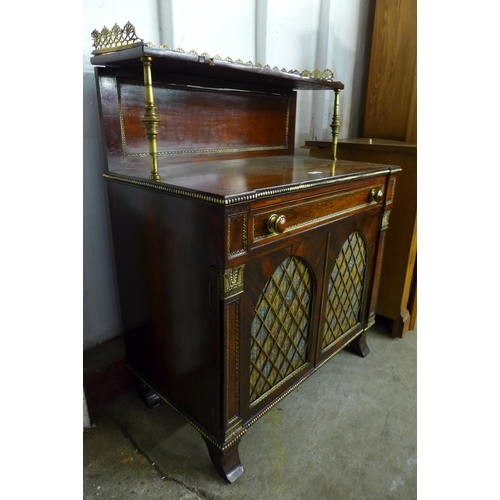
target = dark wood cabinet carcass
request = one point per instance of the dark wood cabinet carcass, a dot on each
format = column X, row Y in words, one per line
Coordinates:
column 241, row 268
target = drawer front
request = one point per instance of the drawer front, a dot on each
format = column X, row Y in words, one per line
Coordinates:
column 276, row 220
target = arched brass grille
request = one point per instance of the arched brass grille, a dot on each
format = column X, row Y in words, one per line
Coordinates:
column 280, row 327
column 345, row 289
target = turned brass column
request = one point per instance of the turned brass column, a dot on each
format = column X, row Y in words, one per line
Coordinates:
column 150, row 119
column 335, row 124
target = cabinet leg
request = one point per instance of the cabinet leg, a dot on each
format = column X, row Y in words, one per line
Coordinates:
column 401, row 324
column 149, row 397
column 359, row 346
column 226, row 462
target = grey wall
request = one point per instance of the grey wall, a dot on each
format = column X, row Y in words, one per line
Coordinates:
column 100, row 307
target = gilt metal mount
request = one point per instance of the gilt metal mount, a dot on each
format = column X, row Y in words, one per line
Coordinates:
column 116, row 38
column 231, row 281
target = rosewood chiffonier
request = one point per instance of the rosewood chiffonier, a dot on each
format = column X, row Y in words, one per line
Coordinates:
column 241, row 268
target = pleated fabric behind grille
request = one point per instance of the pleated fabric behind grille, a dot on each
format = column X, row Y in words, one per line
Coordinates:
column 280, row 327
column 345, row 289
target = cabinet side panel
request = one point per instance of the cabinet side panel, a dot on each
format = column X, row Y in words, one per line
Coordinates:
column 109, row 114
column 163, row 250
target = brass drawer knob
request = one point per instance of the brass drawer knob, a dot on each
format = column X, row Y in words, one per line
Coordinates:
column 276, row 223
column 376, row 196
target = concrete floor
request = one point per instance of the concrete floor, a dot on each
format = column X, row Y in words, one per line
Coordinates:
column 348, row 432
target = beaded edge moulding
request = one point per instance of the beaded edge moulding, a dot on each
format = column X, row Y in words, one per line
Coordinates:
column 116, row 38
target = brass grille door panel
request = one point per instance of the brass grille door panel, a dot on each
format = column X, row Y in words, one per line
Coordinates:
column 280, row 329
column 345, row 289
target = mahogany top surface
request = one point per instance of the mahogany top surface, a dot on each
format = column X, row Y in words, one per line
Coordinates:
column 168, row 61
column 257, row 177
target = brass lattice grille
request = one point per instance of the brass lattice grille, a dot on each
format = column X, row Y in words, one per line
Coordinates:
column 280, row 327
column 345, row 289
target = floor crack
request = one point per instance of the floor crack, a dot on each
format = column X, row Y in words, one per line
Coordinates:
column 196, row 491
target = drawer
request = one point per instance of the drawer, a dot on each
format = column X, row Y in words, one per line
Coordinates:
column 283, row 218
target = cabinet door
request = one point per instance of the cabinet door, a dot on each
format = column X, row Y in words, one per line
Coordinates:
column 349, row 281
column 280, row 317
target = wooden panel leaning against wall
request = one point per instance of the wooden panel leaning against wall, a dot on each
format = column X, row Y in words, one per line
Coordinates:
column 391, row 98
column 391, row 113
column 389, row 137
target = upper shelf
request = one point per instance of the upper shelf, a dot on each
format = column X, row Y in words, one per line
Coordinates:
column 122, row 48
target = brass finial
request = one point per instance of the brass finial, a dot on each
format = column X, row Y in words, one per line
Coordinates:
column 335, row 124
column 150, row 119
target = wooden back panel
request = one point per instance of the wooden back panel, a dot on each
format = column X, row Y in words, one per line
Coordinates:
column 391, row 98
column 197, row 122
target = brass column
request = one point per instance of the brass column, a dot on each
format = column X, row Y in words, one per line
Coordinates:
column 150, row 119
column 335, row 124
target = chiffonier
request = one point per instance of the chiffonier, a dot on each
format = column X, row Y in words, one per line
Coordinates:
column 241, row 268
